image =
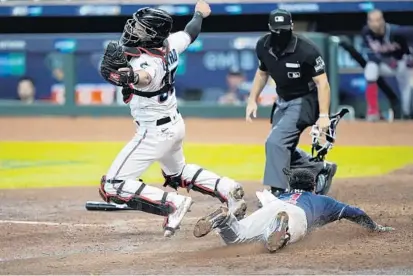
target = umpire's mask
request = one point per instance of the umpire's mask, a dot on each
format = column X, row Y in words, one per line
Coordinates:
column 323, row 140
column 280, row 25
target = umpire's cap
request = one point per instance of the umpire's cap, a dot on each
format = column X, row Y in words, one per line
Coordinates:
column 280, row 20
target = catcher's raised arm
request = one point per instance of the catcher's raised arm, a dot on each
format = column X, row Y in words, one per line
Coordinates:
column 116, row 69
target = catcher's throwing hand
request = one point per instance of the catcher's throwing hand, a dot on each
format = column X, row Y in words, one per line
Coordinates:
column 203, row 7
column 115, row 67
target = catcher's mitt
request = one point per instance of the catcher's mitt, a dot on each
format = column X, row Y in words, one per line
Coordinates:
column 114, row 59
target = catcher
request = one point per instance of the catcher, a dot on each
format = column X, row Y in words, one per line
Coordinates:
column 144, row 64
column 286, row 219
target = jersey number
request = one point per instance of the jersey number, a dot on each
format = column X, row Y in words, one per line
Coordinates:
column 293, row 199
column 164, row 97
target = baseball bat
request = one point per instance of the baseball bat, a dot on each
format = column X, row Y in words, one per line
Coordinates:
column 103, row 206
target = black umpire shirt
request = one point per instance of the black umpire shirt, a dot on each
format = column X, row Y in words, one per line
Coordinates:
column 293, row 69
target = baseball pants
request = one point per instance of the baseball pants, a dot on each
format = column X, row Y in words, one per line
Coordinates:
column 290, row 119
column 372, row 71
column 259, row 224
column 163, row 144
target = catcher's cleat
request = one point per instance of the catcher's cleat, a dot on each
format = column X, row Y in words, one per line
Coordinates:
column 211, row 221
column 277, row 234
column 236, row 203
column 325, row 178
column 173, row 221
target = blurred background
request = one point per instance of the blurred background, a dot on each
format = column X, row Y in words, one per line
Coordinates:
column 50, row 52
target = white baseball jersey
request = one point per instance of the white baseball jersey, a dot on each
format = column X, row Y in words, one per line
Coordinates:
column 151, row 109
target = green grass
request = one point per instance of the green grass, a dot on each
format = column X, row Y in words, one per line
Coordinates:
column 44, row 164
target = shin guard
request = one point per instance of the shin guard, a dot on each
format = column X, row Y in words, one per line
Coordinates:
column 135, row 200
column 193, row 185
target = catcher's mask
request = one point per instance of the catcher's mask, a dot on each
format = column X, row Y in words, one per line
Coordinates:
column 148, row 28
column 323, row 140
column 300, row 180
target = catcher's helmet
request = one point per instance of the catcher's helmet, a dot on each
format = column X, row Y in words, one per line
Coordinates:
column 148, row 28
column 300, row 179
column 323, row 140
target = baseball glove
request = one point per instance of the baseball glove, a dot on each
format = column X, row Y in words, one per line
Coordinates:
column 115, row 67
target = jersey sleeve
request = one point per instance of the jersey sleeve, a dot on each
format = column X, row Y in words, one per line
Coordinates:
column 358, row 216
column 372, row 54
column 179, row 41
column 258, row 51
column 315, row 62
column 333, row 209
column 336, row 210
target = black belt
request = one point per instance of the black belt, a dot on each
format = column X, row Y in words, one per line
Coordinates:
column 163, row 120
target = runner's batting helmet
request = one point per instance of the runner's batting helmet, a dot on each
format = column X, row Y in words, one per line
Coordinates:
column 148, row 28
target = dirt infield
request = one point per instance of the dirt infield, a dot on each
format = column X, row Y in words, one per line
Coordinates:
column 48, row 231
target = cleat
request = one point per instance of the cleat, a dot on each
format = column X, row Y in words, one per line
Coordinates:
column 211, row 221
column 236, row 203
column 173, row 221
column 239, row 209
column 278, row 233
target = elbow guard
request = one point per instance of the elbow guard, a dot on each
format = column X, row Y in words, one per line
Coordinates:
column 193, row 28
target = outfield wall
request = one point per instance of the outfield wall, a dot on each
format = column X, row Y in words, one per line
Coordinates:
column 58, row 64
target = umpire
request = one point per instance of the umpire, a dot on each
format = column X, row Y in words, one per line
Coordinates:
column 298, row 70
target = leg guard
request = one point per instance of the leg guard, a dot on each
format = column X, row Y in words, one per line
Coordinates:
column 132, row 194
column 195, row 178
column 197, row 187
column 189, row 179
column 228, row 191
column 173, row 181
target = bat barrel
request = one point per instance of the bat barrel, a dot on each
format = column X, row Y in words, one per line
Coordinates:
column 103, row 206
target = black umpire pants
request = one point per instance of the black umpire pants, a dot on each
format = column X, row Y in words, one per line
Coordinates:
column 289, row 120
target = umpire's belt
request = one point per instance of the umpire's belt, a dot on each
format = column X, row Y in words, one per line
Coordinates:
column 165, row 120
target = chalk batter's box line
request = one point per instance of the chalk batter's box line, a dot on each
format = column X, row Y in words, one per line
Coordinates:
column 68, row 224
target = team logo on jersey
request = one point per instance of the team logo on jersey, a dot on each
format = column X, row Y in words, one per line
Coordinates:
column 144, row 65
column 319, row 64
column 293, row 75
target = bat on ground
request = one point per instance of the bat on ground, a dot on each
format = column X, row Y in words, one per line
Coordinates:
column 103, row 206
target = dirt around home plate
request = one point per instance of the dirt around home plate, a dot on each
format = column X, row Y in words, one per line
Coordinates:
column 51, row 233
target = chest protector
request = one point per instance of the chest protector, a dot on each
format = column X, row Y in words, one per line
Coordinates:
column 134, row 52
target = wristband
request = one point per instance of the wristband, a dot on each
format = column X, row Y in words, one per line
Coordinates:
column 323, row 115
column 198, row 13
